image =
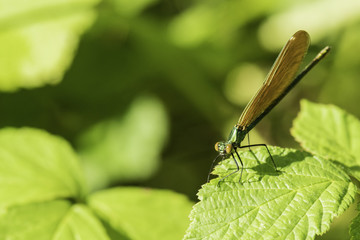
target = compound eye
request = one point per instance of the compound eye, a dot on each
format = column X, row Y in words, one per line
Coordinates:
column 228, row 148
column 217, row 146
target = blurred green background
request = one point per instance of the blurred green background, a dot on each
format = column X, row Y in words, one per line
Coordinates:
column 143, row 89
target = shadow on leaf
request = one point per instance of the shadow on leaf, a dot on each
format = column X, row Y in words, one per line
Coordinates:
column 262, row 166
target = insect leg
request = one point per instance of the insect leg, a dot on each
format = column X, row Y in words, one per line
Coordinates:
column 237, row 167
column 211, row 168
column 242, row 165
column 264, row 145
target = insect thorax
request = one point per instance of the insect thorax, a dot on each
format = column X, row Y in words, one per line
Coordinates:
column 236, row 136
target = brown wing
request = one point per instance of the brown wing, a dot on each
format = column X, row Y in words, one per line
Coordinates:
column 279, row 78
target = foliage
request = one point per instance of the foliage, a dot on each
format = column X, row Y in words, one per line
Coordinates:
column 141, row 90
column 44, row 197
column 39, row 39
column 330, row 132
column 297, row 202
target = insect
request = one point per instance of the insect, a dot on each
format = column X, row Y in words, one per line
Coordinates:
column 280, row 80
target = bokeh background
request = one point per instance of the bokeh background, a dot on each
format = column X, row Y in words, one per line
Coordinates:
column 143, row 89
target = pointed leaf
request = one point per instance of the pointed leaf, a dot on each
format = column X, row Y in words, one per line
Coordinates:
column 143, row 213
column 37, row 166
column 297, row 202
column 330, row 132
column 80, row 223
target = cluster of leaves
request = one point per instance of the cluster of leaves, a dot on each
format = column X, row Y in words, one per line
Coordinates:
column 44, row 196
column 144, row 46
column 298, row 202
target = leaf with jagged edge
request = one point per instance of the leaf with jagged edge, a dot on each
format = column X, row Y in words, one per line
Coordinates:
column 329, row 132
column 332, row 133
column 297, row 202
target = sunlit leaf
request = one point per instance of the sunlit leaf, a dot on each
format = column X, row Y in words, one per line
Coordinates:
column 38, row 39
column 53, row 220
column 330, row 132
column 80, row 223
column 143, row 213
column 37, row 166
column 298, row 202
column 125, row 148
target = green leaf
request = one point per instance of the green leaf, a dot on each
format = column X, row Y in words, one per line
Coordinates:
column 143, row 213
column 355, row 227
column 38, row 39
column 80, row 223
column 298, row 202
column 329, row 132
column 125, row 148
column 37, row 166
column 50, row 220
column 33, row 221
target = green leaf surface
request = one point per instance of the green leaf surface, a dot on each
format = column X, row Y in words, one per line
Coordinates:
column 298, row 202
column 143, row 213
column 125, row 148
column 52, row 220
column 33, row 221
column 80, row 223
column 329, row 132
column 355, row 227
column 38, row 39
column 37, row 166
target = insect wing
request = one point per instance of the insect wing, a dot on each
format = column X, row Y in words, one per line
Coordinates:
column 277, row 81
